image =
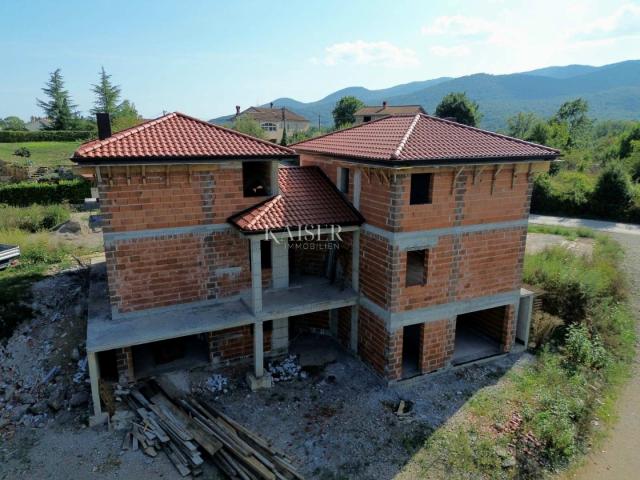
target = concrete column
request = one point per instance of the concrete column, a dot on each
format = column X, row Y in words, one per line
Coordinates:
column 357, row 186
column 333, row 322
column 280, row 336
column 355, row 261
column 280, row 263
column 275, row 187
column 94, row 376
column 354, row 329
column 256, row 276
column 258, row 349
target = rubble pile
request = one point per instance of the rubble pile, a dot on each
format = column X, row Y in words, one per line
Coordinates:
column 287, row 369
column 39, row 376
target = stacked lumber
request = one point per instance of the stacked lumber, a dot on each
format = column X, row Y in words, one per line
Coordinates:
column 187, row 428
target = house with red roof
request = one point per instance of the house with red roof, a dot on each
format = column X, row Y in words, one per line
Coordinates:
column 401, row 238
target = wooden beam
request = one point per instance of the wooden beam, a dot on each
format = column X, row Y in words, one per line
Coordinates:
column 496, row 172
column 477, row 171
column 166, row 172
column 98, row 175
column 144, row 176
column 109, row 175
column 128, row 176
column 455, row 179
column 514, row 175
column 189, row 170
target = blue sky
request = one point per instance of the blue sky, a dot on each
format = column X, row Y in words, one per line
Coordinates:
column 205, row 57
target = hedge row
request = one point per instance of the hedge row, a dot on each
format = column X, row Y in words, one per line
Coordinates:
column 27, row 193
column 11, row 136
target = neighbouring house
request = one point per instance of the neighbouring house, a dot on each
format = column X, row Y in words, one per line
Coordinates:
column 274, row 120
column 402, row 238
column 37, row 123
column 370, row 113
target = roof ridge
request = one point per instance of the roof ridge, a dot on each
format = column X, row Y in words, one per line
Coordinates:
column 489, row 132
column 124, row 133
column 269, row 204
column 405, row 138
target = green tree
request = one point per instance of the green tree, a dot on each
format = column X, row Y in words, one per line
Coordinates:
column 573, row 114
column 538, row 133
column 12, row 123
column 613, row 193
column 457, row 105
column 633, row 160
column 346, row 107
column 126, row 116
column 626, row 141
column 284, row 140
column 520, row 125
column 107, row 95
column 249, row 126
column 59, row 108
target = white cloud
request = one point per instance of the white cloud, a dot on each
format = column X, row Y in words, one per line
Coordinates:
column 624, row 21
column 458, row 25
column 454, row 51
column 381, row 54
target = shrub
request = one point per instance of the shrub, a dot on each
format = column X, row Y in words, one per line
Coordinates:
column 27, row 193
column 582, row 348
column 568, row 192
column 33, row 218
column 22, row 152
column 613, row 193
column 9, row 136
column 543, row 326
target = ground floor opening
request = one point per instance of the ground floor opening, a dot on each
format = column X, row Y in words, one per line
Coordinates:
column 411, row 350
column 166, row 355
column 480, row 334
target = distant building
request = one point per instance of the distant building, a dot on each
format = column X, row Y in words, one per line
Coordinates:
column 37, row 123
column 273, row 120
column 366, row 114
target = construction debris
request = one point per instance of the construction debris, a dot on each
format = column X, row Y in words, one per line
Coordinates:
column 285, row 370
column 188, row 428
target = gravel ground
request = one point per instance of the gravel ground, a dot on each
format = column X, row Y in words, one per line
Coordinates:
column 536, row 242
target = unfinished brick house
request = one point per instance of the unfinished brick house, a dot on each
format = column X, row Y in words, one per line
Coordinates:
column 403, row 238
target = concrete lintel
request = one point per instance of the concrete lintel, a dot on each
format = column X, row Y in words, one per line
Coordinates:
column 112, row 237
column 395, row 320
column 429, row 238
column 292, row 234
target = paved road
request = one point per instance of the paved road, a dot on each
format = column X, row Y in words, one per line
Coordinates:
column 609, row 227
column 618, row 457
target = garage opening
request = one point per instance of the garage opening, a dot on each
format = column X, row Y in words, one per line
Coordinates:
column 108, row 365
column 479, row 334
column 167, row 355
column 411, row 350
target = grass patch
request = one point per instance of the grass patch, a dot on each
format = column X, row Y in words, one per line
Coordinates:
column 33, row 218
column 43, row 154
column 570, row 233
column 541, row 416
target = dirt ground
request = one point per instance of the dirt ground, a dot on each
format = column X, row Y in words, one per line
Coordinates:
column 536, row 242
column 338, row 421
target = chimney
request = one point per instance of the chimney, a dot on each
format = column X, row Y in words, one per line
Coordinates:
column 384, row 104
column 237, row 110
column 104, row 125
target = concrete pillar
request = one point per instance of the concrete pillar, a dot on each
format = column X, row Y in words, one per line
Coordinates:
column 94, row 376
column 275, row 187
column 357, row 186
column 256, row 276
column 280, row 263
column 355, row 261
column 354, row 329
column 523, row 311
column 280, row 336
column 258, row 349
column 333, row 322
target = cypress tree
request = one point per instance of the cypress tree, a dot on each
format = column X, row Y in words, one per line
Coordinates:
column 107, row 95
column 59, row 108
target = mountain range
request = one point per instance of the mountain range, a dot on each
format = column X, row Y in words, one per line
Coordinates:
column 613, row 92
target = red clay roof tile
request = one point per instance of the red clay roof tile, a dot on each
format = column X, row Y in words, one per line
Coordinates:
column 410, row 138
column 176, row 135
column 307, row 198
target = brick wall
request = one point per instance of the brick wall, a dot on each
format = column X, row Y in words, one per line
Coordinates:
column 124, row 364
column 437, row 342
column 316, row 322
column 497, row 323
column 377, row 347
column 172, row 269
column 467, row 266
column 235, row 345
column 377, row 269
